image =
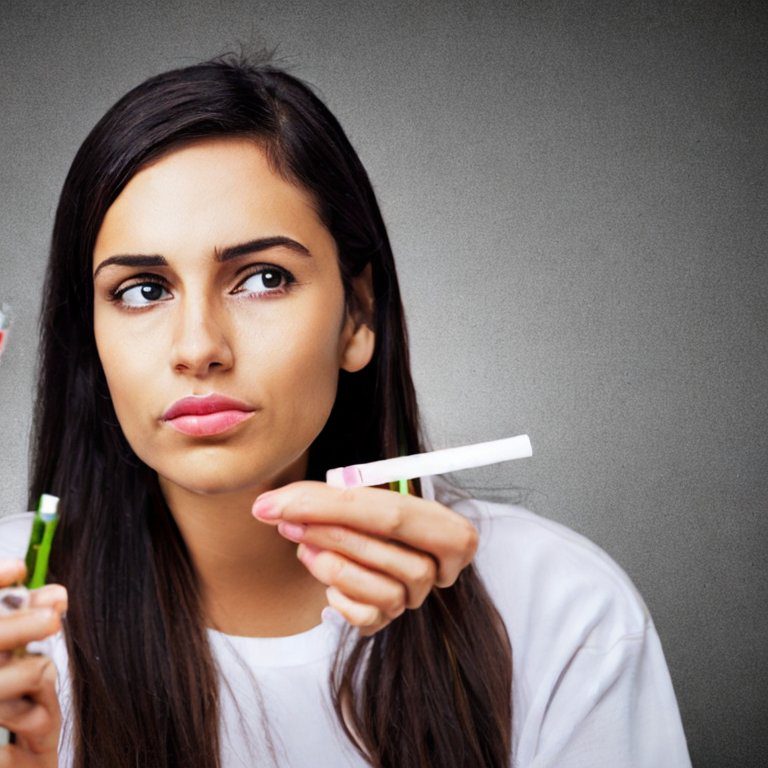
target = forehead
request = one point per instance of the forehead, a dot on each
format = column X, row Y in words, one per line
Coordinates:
column 204, row 195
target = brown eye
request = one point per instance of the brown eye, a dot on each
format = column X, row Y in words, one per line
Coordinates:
column 151, row 292
column 142, row 295
column 267, row 280
column 271, row 279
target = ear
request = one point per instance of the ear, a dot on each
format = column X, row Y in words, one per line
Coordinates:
column 357, row 339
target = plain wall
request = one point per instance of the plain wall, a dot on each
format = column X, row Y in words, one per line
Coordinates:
column 576, row 195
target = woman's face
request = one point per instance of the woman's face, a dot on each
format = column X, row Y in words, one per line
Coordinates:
column 213, row 276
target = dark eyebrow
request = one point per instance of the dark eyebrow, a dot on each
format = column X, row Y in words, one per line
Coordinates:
column 225, row 254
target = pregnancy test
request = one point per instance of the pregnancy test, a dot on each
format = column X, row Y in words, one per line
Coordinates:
column 432, row 463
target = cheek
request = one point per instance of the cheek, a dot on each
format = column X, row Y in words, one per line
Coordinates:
column 129, row 365
column 301, row 367
column 287, row 361
column 296, row 365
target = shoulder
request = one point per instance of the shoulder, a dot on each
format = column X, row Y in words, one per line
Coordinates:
column 14, row 534
column 590, row 681
column 550, row 583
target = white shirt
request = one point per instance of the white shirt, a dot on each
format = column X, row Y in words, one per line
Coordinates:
column 591, row 686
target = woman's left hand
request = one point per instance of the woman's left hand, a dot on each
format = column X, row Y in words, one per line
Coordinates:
column 379, row 551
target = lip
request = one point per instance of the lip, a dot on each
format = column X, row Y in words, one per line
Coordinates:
column 205, row 415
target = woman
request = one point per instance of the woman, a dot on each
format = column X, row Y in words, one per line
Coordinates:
column 222, row 324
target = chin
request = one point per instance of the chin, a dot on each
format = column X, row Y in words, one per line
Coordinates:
column 220, row 470
column 219, row 476
column 210, row 482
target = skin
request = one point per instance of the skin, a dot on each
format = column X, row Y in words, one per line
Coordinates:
column 213, row 330
column 28, row 703
column 196, row 325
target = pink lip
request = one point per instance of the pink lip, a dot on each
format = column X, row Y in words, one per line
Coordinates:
column 209, row 415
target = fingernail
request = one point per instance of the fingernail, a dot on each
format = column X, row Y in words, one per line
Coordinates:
column 332, row 616
column 264, row 509
column 292, row 531
column 45, row 614
column 306, row 553
column 13, row 599
column 12, row 602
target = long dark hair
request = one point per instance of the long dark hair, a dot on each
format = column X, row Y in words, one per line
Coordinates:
column 431, row 689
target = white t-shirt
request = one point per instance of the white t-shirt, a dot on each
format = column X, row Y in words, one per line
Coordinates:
column 591, row 686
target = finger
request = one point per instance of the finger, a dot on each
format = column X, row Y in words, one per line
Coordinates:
column 12, row 571
column 23, row 677
column 13, row 708
column 34, row 678
column 367, row 618
column 420, row 523
column 36, row 726
column 25, row 626
column 355, row 581
column 417, row 571
column 50, row 596
column 16, row 756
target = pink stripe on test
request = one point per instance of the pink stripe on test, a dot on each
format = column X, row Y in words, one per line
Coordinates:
column 351, row 476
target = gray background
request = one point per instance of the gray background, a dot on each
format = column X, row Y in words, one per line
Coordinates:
column 576, row 195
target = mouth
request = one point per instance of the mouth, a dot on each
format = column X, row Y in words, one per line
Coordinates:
column 202, row 416
column 210, row 424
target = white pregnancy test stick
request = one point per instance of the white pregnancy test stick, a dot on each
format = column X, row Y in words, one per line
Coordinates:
column 432, row 463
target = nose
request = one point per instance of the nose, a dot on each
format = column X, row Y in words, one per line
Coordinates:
column 201, row 340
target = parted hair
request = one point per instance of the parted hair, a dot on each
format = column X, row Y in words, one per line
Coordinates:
column 433, row 688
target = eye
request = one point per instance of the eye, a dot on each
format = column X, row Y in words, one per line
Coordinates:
column 142, row 294
column 267, row 280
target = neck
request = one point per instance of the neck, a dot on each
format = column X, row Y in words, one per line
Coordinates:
column 251, row 581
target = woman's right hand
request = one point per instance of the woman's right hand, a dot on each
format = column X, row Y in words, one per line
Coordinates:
column 28, row 704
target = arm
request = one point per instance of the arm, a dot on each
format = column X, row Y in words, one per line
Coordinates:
column 612, row 706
